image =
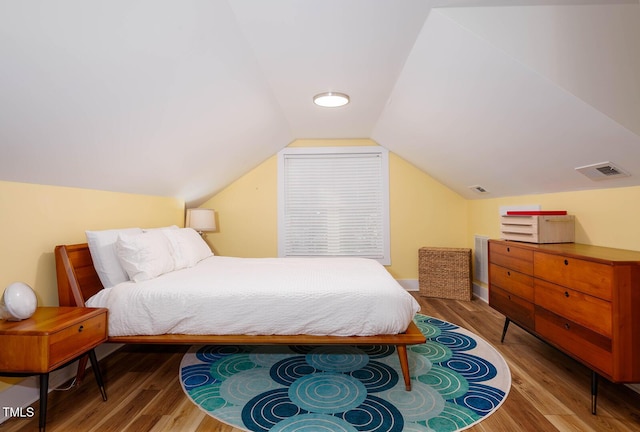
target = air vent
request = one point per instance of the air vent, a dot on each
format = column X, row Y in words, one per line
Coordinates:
column 602, row 171
column 478, row 189
column 481, row 247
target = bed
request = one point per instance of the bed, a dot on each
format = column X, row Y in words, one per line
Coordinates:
column 80, row 285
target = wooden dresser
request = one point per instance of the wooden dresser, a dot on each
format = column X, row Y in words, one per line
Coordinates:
column 582, row 299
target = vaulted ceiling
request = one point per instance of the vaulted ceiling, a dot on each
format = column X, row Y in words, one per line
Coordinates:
column 180, row 98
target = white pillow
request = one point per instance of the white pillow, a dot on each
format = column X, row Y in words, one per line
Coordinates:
column 102, row 246
column 161, row 228
column 188, row 248
column 144, row 256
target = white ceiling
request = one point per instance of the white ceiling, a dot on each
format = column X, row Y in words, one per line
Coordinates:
column 181, row 98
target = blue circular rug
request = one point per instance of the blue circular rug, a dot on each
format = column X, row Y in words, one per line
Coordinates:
column 457, row 378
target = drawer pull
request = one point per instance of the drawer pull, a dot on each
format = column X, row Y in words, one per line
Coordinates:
column 566, row 294
column 567, row 326
column 508, row 249
column 508, row 273
column 80, row 329
column 509, row 296
column 566, row 262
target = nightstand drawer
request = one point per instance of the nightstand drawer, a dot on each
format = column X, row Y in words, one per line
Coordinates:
column 77, row 339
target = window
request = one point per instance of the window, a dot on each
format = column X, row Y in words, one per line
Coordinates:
column 334, row 201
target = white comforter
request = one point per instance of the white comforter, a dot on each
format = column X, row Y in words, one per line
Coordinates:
column 224, row 295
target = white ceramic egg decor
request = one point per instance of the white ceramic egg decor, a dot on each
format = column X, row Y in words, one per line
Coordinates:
column 18, row 302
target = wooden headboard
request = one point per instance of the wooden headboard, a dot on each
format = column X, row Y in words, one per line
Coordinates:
column 77, row 278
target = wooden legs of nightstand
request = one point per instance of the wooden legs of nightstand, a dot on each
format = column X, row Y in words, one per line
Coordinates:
column 97, row 373
column 82, row 365
column 44, row 391
column 44, row 388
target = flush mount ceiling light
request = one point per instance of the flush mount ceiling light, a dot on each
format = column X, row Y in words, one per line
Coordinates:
column 331, row 99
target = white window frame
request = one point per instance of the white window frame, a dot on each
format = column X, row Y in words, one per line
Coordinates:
column 384, row 257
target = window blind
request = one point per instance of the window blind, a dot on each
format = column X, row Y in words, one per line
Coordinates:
column 334, row 203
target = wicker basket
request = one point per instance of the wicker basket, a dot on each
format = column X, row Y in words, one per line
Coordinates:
column 445, row 273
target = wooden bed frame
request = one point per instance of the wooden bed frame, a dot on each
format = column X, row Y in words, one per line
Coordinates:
column 78, row 280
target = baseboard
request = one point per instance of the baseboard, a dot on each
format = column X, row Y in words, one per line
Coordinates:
column 409, row 284
column 27, row 391
column 480, row 292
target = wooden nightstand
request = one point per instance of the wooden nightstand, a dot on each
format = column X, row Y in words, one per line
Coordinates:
column 51, row 338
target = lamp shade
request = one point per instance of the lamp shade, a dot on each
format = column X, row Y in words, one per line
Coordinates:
column 201, row 219
column 18, row 302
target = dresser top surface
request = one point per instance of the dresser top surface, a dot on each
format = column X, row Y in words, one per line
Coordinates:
column 595, row 253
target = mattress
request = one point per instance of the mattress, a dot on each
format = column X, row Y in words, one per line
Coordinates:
column 262, row 296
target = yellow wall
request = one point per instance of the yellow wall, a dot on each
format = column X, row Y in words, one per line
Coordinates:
column 604, row 217
column 35, row 218
column 423, row 212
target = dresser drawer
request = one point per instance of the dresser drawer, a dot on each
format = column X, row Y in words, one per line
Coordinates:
column 585, row 276
column 77, row 339
column 574, row 339
column 515, row 308
column 512, row 281
column 511, row 257
column 588, row 311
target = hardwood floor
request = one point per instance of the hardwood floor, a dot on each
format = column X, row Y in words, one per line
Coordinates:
column 550, row 391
